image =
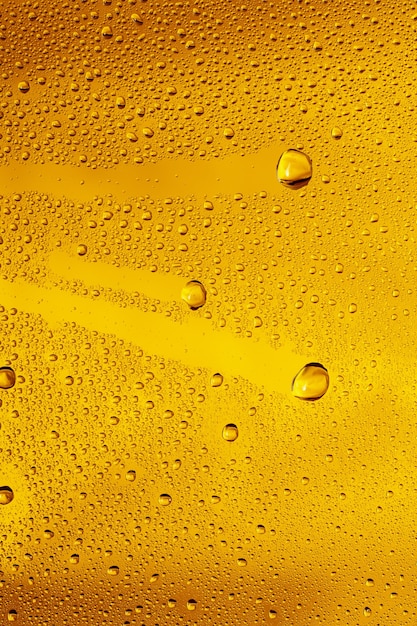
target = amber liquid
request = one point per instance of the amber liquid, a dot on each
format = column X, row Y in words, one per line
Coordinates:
column 208, row 359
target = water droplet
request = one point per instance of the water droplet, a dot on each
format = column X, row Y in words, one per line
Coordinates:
column 7, row 378
column 311, row 382
column 260, row 529
column 172, row 603
column 23, row 86
column 176, row 464
column 12, row 615
column 113, row 570
column 106, row 31
column 6, row 495
column 337, row 132
column 194, row 294
column 272, row 614
column 148, row 132
column 367, row 611
column 294, row 169
column 353, row 307
column 370, row 582
column 229, row 133
column 242, row 562
column 191, row 605
column 230, row 432
column 131, row 475
column 216, row 380
column 164, row 499
column 82, row 249
column 75, row 558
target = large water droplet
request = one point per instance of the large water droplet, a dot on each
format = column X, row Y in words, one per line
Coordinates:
column 294, row 169
column 230, row 432
column 164, row 499
column 194, row 294
column 7, row 378
column 216, row 380
column 311, row 382
column 6, row 495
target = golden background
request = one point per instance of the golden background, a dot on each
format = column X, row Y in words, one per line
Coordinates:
column 139, row 143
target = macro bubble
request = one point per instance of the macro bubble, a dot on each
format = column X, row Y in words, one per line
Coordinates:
column 230, row 432
column 6, row 495
column 294, row 169
column 194, row 294
column 311, row 382
column 7, row 378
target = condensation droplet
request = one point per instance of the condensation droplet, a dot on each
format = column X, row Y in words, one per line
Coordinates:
column 311, row 382
column 229, row 133
column 6, row 495
column 23, row 86
column 82, row 249
column 337, row 132
column 367, row 611
column 230, row 432
column 164, row 499
column 191, row 605
column 7, row 378
column 12, row 615
column 216, row 380
column 294, row 169
column 113, row 570
column 194, row 294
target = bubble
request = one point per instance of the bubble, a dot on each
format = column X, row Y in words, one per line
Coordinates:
column 294, row 169
column 337, row 132
column 23, row 86
column 12, row 615
column 131, row 476
column 82, row 249
column 6, row 495
column 311, row 382
column 242, row 562
column 164, row 499
column 191, row 605
column 75, row 559
column 194, row 294
column 113, row 570
column 367, row 611
column 216, row 380
column 7, row 378
column 208, row 205
column 370, row 582
column 106, row 31
column 272, row 614
column 230, row 432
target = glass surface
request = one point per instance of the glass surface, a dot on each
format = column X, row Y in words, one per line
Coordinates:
column 208, row 307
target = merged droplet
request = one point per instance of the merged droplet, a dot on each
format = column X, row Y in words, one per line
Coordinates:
column 164, row 499
column 194, row 294
column 294, row 169
column 7, row 378
column 230, row 432
column 311, row 382
column 6, row 495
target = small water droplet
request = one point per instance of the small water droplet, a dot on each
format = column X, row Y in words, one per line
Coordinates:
column 367, row 611
column 191, row 605
column 194, row 294
column 12, row 615
column 164, row 499
column 294, row 169
column 6, row 495
column 131, row 475
column 75, row 558
column 337, row 132
column 242, row 562
column 311, row 382
column 230, row 432
column 229, row 133
column 23, row 86
column 113, row 570
column 82, row 249
column 7, row 378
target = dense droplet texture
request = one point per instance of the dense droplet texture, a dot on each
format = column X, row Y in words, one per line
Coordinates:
column 230, row 432
column 139, row 145
column 294, row 169
column 7, row 378
column 194, row 294
column 6, row 495
column 311, row 382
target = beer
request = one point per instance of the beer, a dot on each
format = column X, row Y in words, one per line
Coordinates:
column 207, row 375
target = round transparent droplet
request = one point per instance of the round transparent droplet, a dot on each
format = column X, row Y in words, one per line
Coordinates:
column 164, row 499
column 216, row 380
column 7, row 378
column 294, row 169
column 6, row 495
column 194, row 294
column 230, row 432
column 311, row 382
